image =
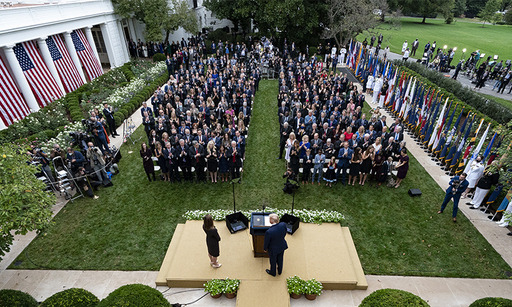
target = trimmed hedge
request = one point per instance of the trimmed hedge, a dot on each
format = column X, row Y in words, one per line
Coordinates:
column 492, row 302
column 159, row 57
column 392, row 298
column 489, row 107
column 135, row 295
column 15, row 298
column 74, row 297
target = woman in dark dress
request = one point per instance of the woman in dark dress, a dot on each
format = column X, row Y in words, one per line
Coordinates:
column 294, row 158
column 330, row 175
column 366, row 165
column 211, row 156
column 355, row 165
column 159, row 153
column 212, row 240
column 223, row 164
column 402, row 167
column 147, row 162
column 377, row 163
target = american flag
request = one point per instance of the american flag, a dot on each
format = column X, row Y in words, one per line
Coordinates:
column 87, row 57
column 12, row 105
column 38, row 76
column 67, row 70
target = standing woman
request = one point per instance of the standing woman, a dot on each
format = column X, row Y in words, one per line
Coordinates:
column 212, row 240
column 402, row 167
column 147, row 162
column 366, row 165
column 211, row 156
column 355, row 165
column 223, row 164
column 294, row 158
column 159, row 153
column 288, row 146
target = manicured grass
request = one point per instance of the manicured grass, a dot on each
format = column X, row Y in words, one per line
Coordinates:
column 505, row 102
column 490, row 39
column 131, row 225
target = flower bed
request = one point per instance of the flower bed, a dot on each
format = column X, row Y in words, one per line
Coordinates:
column 305, row 215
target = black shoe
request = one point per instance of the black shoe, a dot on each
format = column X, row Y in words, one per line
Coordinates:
column 472, row 208
column 469, row 204
column 268, row 272
column 113, row 136
column 509, row 234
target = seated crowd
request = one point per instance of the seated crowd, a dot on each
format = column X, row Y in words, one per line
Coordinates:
column 198, row 121
column 325, row 133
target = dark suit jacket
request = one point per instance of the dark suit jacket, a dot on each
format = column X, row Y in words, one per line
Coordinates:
column 461, row 188
column 192, row 155
column 274, row 239
column 345, row 160
column 238, row 157
column 285, row 133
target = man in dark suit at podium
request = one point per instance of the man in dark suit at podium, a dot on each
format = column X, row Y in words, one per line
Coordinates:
column 275, row 244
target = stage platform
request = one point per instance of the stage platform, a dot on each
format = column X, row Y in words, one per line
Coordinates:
column 325, row 252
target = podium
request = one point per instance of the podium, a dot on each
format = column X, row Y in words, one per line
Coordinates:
column 260, row 222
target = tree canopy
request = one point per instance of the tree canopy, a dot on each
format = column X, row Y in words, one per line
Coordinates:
column 158, row 16
column 24, row 205
column 423, row 8
column 488, row 12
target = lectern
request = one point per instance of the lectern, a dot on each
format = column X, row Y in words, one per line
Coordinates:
column 260, row 222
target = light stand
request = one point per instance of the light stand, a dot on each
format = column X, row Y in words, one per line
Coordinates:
column 292, row 222
column 236, row 180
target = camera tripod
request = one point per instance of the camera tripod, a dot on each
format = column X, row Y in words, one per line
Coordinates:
column 128, row 129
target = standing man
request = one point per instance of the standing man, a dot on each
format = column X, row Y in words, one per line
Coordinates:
column 458, row 185
column 275, row 244
column 415, row 46
column 109, row 116
column 344, row 157
column 457, row 70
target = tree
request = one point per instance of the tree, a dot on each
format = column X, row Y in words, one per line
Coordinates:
column 347, row 18
column 158, row 16
column 239, row 12
column 488, row 13
column 508, row 16
column 459, row 8
column 24, row 205
column 424, row 8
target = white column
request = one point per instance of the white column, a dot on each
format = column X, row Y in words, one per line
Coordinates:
column 22, row 82
column 73, row 54
column 133, row 34
column 47, row 57
column 126, row 56
column 88, row 34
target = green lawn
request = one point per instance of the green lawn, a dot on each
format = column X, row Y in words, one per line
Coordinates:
column 505, row 102
column 131, row 225
column 489, row 39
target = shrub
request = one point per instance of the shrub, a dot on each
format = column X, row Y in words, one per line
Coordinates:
column 392, row 297
column 135, row 295
column 119, row 119
column 492, row 302
column 231, row 285
column 214, row 286
column 313, row 286
column 158, row 57
column 295, row 284
column 15, row 298
column 73, row 297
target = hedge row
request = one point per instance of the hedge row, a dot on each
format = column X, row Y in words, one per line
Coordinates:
column 129, row 295
column 145, row 296
column 489, row 107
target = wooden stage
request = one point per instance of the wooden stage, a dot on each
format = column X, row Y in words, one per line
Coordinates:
column 325, row 252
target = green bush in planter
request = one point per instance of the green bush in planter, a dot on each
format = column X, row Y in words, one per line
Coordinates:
column 313, row 286
column 295, row 284
column 118, row 119
column 492, row 302
column 15, row 298
column 158, row 57
column 391, row 298
column 214, row 286
column 74, row 297
column 231, row 285
column 135, row 295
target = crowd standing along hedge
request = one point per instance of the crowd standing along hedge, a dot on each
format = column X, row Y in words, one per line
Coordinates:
column 392, row 298
column 15, row 298
column 74, row 297
column 454, row 89
column 48, row 122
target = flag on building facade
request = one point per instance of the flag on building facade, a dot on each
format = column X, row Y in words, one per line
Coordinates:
column 67, row 70
column 12, row 105
column 89, row 61
column 39, row 78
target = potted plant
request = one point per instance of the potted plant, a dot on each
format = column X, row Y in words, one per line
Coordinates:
column 295, row 286
column 312, row 289
column 231, row 287
column 214, row 287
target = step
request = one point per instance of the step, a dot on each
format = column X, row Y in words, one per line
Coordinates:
column 161, row 278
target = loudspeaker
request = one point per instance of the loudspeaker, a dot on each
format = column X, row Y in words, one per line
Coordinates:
column 414, row 192
column 292, row 222
column 236, row 222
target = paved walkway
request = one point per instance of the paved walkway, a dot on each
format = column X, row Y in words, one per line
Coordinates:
column 462, row 78
column 442, row 292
